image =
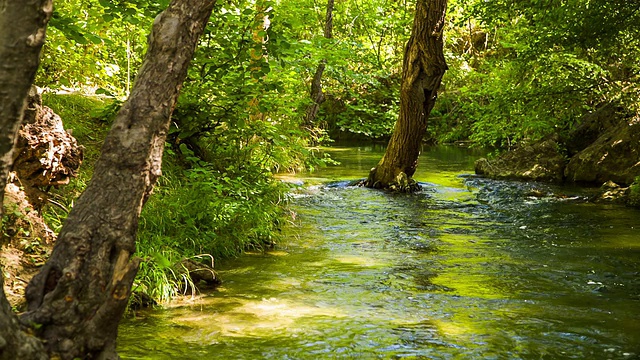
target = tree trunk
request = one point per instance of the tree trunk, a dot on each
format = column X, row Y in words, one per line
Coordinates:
column 258, row 55
column 317, row 95
column 79, row 296
column 22, row 29
column 422, row 71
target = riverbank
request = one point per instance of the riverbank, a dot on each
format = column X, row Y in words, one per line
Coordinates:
column 201, row 211
column 603, row 151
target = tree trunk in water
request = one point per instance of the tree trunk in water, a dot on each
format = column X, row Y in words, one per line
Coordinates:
column 317, row 96
column 79, row 296
column 422, row 71
column 22, row 31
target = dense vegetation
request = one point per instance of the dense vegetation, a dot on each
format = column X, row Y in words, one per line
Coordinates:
column 518, row 70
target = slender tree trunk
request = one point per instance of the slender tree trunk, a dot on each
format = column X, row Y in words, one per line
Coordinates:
column 317, row 95
column 258, row 54
column 22, row 31
column 422, row 71
column 79, row 296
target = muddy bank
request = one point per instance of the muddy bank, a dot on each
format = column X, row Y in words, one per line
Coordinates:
column 25, row 245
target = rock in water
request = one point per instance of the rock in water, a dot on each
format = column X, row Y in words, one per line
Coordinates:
column 537, row 162
column 198, row 271
column 604, row 147
column 610, row 192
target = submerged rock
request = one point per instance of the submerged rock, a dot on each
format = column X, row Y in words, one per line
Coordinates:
column 540, row 161
column 610, row 192
column 140, row 300
column 198, row 271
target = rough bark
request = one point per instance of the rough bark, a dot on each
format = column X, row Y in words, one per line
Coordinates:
column 22, row 30
column 317, row 95
column 423, row 67
column 15, row 343
column 79, row 296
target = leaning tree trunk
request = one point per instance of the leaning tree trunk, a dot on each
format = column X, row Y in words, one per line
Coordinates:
column 79, row 296
column 422, row 71
column 317, row 95
column 22, row 29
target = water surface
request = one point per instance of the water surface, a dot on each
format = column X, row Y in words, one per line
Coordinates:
column 466, row 269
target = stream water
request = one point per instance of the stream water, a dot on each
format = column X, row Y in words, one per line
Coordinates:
column 468, row 268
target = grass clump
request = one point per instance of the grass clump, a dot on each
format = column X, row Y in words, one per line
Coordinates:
column 198, row 207
column 75, row 111
column 203, row 210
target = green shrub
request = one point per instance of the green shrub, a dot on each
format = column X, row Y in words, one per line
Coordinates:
column 634, row 193
column 219, row 207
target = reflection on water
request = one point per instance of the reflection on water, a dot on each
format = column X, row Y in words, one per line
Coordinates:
column 467, row 268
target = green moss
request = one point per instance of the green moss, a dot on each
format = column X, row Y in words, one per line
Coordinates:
column 634, row 193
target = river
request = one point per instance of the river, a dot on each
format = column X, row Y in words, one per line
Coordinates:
column 468, row 268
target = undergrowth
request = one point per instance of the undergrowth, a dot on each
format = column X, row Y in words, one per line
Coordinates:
column 198, row 207
column 75, row 112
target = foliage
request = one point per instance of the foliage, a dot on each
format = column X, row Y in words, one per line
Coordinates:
column 198, row 209
column 363, row 71
column 75, row 111
column 520, row 70
column 96, row 44
column 204, row 210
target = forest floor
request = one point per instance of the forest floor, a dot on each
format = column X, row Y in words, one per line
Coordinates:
column 26, row 244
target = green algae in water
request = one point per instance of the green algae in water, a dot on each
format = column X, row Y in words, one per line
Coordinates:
column 468, row 268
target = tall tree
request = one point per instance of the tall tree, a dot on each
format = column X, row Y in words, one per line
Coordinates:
column 22, row 30
column 422, row 71
column 79, row 296
column 317, row 95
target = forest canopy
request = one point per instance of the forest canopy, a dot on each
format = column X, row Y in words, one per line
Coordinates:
column 519, row 70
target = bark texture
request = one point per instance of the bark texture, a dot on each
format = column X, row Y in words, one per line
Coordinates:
column 80, row 294
column 317, row 95
column 422, row 71
column 22, row 30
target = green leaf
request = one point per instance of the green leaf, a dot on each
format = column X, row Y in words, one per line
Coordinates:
column 103, row 91
column 161, row 260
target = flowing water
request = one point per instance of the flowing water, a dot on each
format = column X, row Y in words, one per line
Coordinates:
column 466, row 269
